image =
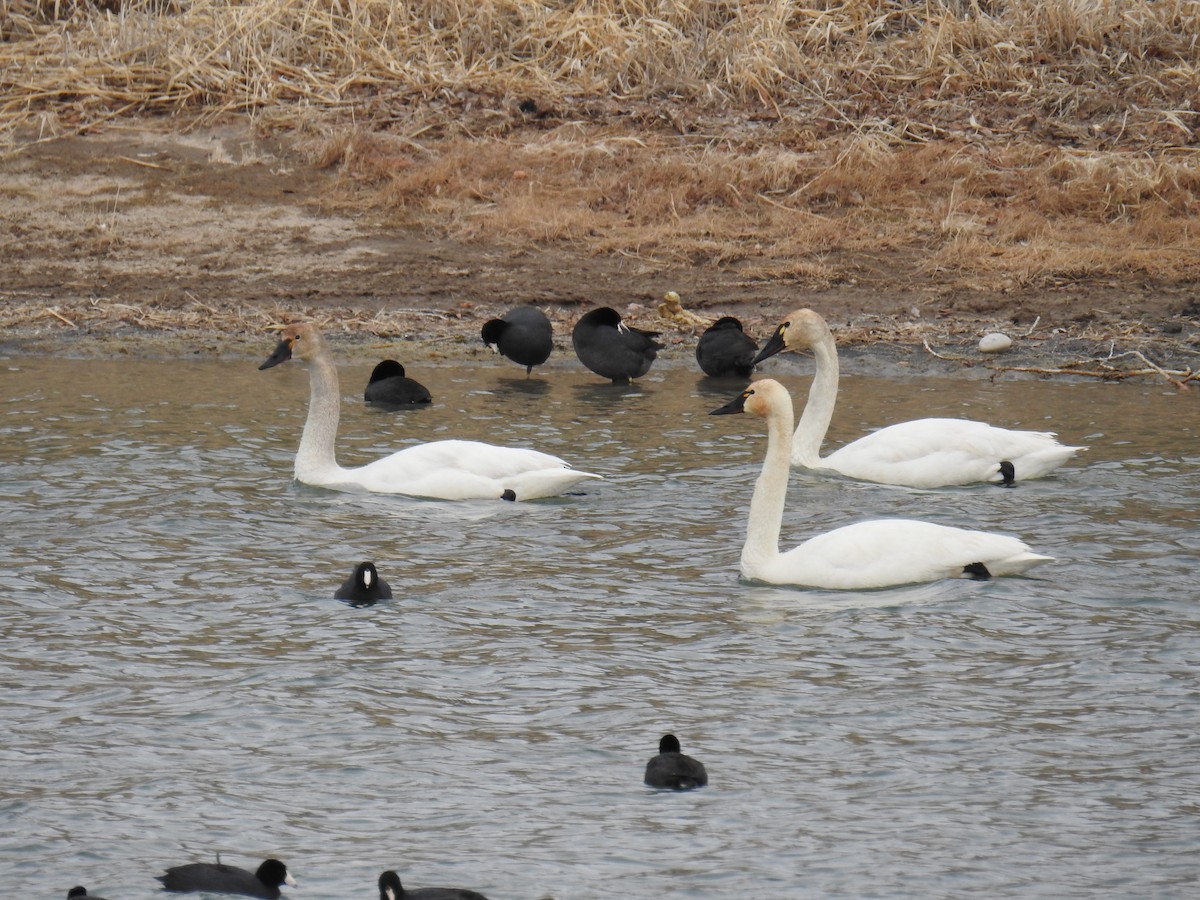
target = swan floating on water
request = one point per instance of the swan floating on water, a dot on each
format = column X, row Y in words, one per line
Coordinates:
column 441, row 470
column 922, row 453
column 874, row 554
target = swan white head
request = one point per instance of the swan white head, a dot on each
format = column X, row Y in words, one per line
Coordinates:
column 302, row 341
column 762, row 398
column 802, row 329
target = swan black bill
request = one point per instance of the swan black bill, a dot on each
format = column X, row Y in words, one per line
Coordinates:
column 283, row 352
column 774, row 345
column 736, row 405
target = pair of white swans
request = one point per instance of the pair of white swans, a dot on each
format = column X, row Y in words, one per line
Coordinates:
column 442, row 470
column 922, row 453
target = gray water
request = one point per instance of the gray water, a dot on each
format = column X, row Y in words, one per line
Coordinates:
column 178, row 681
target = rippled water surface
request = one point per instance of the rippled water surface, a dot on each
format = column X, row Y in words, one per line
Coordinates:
column 178, row 680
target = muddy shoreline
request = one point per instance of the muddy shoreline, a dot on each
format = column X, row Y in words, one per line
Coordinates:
column 366, row 332
column 145, row 241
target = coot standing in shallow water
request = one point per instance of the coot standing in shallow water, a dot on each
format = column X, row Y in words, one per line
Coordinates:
column 391, row 889
column 523, row 334
column 612, row 349
column 725, row 350
column 389, row 385
column 672, row 769
column 218, row 878
column 364, row 587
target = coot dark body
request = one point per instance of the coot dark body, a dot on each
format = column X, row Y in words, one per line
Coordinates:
column 672, row 769
column 523, row 334
column 389, row 385
column 612, row 349
column 391, row 889
column 725, row 350
column 218, row 878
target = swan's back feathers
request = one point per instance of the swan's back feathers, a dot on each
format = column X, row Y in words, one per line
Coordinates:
column 468, row 470
column 889, row 552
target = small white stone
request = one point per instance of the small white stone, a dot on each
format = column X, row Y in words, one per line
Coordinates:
column 994, row 343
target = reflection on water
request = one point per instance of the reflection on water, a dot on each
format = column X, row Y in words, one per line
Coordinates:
column 180, row 681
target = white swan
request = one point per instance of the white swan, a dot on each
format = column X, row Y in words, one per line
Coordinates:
column 874, row 554
column 443, row 470
column 923, row 453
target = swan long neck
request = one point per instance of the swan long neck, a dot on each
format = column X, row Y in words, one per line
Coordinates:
column 770, row 493
column 818, row 410
column 316, row 453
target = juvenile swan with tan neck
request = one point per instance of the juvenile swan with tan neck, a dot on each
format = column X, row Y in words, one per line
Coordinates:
column 442, row 470
column 922, row 453
column 874, row 554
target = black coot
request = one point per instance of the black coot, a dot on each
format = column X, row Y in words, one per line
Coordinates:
column 523, row 334
column 725, row 351
column 612, row 349
column 391, row 889
column 388, row 384
column 672, row 769
column 364, row 587
column 218, row 878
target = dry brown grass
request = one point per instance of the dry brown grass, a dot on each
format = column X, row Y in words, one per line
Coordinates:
column 1009, row 143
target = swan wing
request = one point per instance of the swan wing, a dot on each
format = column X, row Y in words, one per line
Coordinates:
column 892, row 552
column 928, row 453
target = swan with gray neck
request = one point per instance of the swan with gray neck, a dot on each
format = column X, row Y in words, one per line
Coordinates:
column 442, row 470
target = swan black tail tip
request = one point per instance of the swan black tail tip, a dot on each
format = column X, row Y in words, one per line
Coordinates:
column 1008, row 474
column 978, row 571
column 509, row 494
